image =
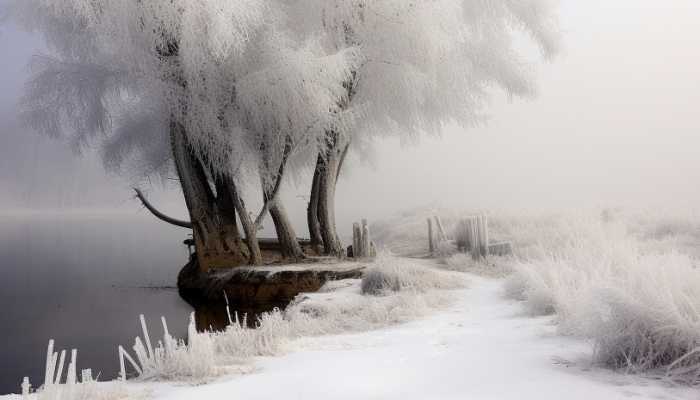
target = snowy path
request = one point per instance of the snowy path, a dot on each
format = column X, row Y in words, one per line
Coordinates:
column 481, row 348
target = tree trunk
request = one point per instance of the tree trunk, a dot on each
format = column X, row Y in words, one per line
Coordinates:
column 215, row 232
column 321, row 209
column 231, row 203
column 249, row 227
column 289, row 243
column 312, row 210
column 329, row 170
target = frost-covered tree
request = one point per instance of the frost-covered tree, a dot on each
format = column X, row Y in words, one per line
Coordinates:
column 423, row 64
column 209, row 87
column 285, row 120
column 227, row 92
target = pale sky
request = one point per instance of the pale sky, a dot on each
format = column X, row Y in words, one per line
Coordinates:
column 615, row 123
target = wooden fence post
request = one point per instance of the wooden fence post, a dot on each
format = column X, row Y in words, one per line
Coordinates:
column 366, row 242
column 361, row 240
column 442, row 236
column 356, row 240
column 472, row 235
column 431, row 243
column 485, row 230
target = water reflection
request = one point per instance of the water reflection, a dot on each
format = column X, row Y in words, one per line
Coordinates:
column 214, row 316
column 83, row 282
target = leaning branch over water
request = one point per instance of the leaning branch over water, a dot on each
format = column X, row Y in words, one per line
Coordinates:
column 160, row 215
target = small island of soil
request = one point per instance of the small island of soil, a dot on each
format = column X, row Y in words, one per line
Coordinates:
column 252, row 290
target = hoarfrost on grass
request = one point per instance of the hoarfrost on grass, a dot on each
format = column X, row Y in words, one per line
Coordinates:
column 639, row 304
column 89, row 391
column 626, row 280
column 405, row 290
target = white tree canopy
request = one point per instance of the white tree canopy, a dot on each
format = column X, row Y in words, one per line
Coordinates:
column 425, row 63
column 120, row 73
column 257, row 81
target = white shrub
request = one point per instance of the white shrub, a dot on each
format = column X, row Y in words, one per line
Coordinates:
column 173, row 359
column 239, row 342
column 649, row 318
column 639, row 306
column 627, row 280
column 389, row 273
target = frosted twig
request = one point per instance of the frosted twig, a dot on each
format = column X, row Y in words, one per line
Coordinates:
column 60, row 367
column 48, row 377
column 123, row 354
column 146, row 337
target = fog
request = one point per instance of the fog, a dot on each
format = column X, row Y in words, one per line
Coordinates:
column 613, row 123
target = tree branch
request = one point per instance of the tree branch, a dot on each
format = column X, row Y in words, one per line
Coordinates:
column 342, row 160
column 272, row 196
column 160, row 215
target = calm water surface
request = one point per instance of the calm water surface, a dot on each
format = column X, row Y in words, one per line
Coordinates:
column 83, row 281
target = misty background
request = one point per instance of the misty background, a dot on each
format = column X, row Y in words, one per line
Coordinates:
column 615, row 124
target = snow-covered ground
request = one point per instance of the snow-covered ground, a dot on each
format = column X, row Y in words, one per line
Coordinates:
column 482, row 347
column 581, row 290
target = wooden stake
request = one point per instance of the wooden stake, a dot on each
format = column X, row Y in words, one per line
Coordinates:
column 475, row 228
column 146, row 337
column 431, row 244
column 442, row 236
column 366, row 242
column 356, row 240
column 486, row 235
column 480, row 235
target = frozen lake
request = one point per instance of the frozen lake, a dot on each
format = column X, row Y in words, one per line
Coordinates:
column 83, row 281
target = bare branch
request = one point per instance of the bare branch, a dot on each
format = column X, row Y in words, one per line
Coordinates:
column 160, row 215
